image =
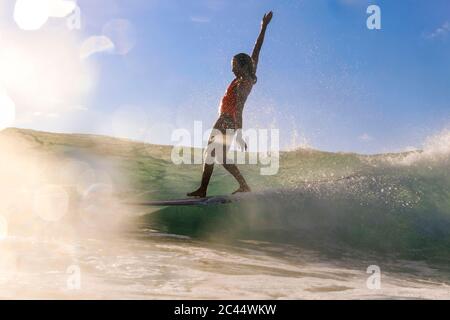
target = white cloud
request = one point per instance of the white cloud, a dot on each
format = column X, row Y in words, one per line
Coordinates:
column 95, row 44
column 440, row 32
column 200, row 19
column 365, row 137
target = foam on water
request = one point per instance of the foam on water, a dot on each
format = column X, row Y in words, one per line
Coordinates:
column 167, row 268
column 435, row 149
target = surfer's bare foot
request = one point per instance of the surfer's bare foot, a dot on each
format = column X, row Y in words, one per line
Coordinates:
column 197, row 193
column 243, row 189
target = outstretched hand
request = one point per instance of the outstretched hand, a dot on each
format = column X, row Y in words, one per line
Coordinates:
column 266, row 19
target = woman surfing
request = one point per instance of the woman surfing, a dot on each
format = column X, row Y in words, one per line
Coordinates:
column 230, row 115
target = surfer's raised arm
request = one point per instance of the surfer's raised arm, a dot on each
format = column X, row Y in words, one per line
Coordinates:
column 259, row 42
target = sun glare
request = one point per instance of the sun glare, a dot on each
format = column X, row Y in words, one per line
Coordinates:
column 31, row 14
column 45, row 73
column 7, row 111
column 3, row 228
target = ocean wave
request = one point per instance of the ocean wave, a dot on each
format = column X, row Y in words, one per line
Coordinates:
column 394, row 207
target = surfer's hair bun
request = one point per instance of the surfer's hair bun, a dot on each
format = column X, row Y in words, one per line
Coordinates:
column 246, row 64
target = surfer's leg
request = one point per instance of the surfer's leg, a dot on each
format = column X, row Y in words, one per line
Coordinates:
column 215, row 142
column 206, row 176
column 233, row 169
column 208, row 168
column 230, row 166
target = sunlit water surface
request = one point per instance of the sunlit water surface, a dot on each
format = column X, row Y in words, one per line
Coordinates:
column 145, row 264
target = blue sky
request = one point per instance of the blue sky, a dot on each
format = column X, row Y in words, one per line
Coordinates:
column 324, row 79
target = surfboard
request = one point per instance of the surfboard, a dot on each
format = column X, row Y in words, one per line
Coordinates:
column 187, row 202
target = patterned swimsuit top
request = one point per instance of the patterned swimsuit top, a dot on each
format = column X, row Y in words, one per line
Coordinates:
column 228, row 105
